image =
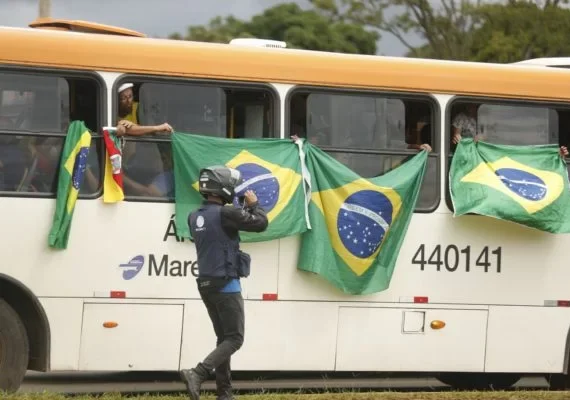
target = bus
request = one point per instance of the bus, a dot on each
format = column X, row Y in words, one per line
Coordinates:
column 476, row 302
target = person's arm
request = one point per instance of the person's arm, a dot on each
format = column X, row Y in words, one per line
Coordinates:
column 251, row 219
column 128, row 128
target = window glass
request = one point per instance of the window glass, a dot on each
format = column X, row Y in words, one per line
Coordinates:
column 358, row 122
column 190, row 108
column 35, row 113
column 370, row 134
column 506, row 124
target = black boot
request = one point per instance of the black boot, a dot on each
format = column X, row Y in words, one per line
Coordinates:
column 193, row 379
column 224, row 381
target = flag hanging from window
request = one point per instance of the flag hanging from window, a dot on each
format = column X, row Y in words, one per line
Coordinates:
column 272, row 168
column 358, row 225
column 71, row 174
column 527, row 185
column 113, row 183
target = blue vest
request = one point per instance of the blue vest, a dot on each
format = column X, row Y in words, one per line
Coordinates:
column 217, row 252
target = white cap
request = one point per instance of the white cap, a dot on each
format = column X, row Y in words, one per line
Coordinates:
column 125, row 86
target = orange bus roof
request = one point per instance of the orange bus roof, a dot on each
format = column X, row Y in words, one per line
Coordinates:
column 27, row 47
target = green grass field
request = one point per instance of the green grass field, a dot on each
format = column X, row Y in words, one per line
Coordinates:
column 514, row 395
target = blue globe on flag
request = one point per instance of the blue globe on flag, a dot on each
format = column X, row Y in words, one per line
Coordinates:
column 523, row 183
column 79, row 167
column 262, row 182
column 362, row 222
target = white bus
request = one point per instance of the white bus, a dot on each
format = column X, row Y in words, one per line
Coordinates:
column 122, row 296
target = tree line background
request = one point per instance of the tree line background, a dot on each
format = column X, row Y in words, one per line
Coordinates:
column 471, row 30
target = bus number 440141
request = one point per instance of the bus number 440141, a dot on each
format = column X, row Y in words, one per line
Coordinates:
column 452, row 258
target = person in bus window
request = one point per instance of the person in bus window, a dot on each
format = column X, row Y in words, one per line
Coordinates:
column 163, row 183
column 141, row 161
column 421, row 133
column 128, row 108
column 128, row 115
column 464, row 124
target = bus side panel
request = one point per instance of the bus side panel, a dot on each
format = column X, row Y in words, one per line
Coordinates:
column 527, row 339
column 293, row 336
column 64, row 317
column 130, row 337
column 395, row 339
column 470, row 259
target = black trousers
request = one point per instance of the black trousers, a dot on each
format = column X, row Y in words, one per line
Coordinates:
column 227, row 315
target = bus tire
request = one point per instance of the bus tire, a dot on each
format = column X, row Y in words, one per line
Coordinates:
column 14, row 349
column 479, row 381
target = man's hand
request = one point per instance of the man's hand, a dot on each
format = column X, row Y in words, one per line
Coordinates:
column 563, row 151
column 164, row 128
column 250, row 198
column 426, row 147
column 456, row 138
column 125, row 123
column 122, row 127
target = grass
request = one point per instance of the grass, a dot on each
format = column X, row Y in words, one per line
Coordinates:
column 511, row 395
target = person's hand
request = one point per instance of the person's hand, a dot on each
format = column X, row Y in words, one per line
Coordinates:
column 164, row 128
column 563, row 151
column 122, row 127
column 456, row 138
column 250, row 198
column 425, row 146
column 125, row 123
column 294, row 138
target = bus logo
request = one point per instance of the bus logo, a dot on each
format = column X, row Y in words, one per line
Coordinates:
column 132, row 268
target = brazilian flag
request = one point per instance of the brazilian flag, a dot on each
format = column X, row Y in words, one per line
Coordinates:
column 71, row 172
column 271, row 168
column 527, row 185
column 358, row 225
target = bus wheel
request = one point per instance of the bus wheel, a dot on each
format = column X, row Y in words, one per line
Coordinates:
column 14, row 349
column 479, row 381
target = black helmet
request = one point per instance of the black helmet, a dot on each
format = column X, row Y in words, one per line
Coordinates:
column 219, row 181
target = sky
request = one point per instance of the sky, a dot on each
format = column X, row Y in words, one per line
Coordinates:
column 155, row 18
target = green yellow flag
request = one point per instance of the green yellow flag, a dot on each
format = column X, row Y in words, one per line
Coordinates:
column 358, row 225
column 527, row 185
column 71, row 172
column 272, row 168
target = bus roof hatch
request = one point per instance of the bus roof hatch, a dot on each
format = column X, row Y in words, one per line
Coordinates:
column 82, row 26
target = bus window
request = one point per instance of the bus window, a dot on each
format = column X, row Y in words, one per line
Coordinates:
column 505, row 123
column 368, row 133
column 35, row 113
column 190, row 108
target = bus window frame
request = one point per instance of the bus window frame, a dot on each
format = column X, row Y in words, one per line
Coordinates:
column 179, row 80
column 492, row 101
column 435, row 114
column 64, row 73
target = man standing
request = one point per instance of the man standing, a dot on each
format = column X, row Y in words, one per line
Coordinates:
column 215, row 230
